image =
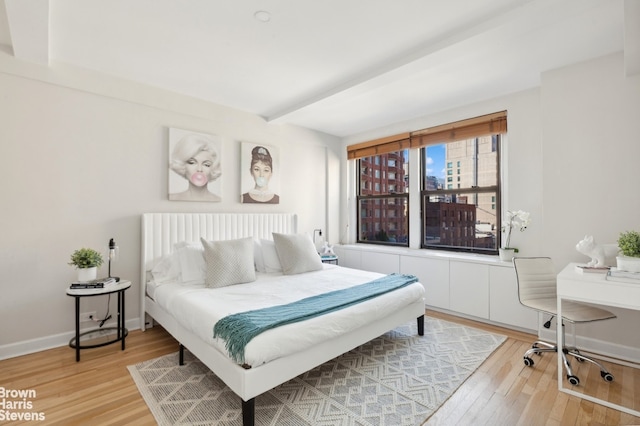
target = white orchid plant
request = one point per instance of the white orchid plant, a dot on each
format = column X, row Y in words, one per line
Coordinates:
column 515, row 219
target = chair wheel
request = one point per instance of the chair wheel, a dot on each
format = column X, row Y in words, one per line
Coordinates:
column 528, row 361
column 608, row 377
column 573, row 380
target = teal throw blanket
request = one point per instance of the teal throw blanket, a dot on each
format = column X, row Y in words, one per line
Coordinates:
column 238, row 329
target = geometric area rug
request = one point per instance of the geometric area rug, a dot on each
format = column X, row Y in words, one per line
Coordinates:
column 399, row 378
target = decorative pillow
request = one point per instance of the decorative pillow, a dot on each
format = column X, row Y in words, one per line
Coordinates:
column 258, row 258
column 192, row 265
column 167, row 270
column 297, row 253
column 229, row 262
column 270, row 256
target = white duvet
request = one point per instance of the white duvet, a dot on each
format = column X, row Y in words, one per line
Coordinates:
column 198, row 308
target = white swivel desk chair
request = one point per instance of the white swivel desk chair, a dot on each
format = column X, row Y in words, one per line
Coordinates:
column 537, row 290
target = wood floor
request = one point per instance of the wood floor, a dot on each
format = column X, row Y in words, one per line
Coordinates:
column 99, row 390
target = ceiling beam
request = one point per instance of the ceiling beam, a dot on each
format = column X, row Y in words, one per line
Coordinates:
column 516, row 18
column 404, row 63
column 29, row 29
column 631, row 37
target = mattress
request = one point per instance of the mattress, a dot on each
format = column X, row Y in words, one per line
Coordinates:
column 151, row 289
column 198, row 308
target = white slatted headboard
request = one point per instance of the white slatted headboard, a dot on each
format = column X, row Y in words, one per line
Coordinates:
column 160, row 231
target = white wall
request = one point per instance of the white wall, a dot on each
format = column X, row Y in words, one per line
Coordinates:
column 84, row 155
column 572, row 158
column 591, row 152
column 591, row 156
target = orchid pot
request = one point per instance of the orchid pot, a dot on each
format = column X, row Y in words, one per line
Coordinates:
column 507, row 254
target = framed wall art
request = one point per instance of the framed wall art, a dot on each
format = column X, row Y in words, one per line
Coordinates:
column 259, row 171
column 194, row 166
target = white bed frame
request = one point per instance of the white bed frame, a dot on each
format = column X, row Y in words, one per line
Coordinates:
column 161, row 230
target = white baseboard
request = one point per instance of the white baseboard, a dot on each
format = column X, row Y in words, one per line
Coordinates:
column 482, row 320
column 25, row 347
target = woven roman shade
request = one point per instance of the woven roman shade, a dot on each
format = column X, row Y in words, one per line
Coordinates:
column 379, row 146
column 491, row 124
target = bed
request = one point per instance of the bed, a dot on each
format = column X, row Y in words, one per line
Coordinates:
column 189, row 311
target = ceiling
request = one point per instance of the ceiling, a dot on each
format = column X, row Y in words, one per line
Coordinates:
column 338, row 66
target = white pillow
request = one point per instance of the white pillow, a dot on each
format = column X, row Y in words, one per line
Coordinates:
column 297, row 253
column 229, row 262
column 270, row 256
column 258, row 259
column 193, row 268
column 167, row 270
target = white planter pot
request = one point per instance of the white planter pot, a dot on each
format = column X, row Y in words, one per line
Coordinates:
column 506, row 254
column 87, row 274
column 626, row 263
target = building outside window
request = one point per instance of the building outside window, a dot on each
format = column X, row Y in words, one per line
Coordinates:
column 383, row 211
column 464, row 218
column 459, row 174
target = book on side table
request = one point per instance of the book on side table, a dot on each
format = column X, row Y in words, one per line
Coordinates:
column 97, row 283
column 616, row 274
column 592, row 269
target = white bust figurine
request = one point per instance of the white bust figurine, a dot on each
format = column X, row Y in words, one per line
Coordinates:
column 327, row 249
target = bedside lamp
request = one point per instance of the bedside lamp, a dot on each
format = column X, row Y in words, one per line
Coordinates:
column 319, row 231
column 114, row 251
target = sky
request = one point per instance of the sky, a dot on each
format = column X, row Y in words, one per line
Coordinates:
column 435, row 161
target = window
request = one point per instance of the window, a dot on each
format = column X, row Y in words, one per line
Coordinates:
column 459, row 185
column 383, row 214
column 463, row 218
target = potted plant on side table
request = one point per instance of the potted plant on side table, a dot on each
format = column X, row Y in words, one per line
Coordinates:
column 87, row 261
column 515, row 219
column 629, row 243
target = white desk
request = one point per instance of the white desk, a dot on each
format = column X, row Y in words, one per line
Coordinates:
column 593, row 288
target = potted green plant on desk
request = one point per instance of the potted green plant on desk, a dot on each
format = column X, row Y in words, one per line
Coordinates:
column 87, row 261
column 629, row 243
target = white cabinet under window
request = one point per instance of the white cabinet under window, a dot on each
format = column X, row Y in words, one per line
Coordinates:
column 484, row 290
column 503, row 292
column 383, row 263
column 434, row 276
column 469, row 288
